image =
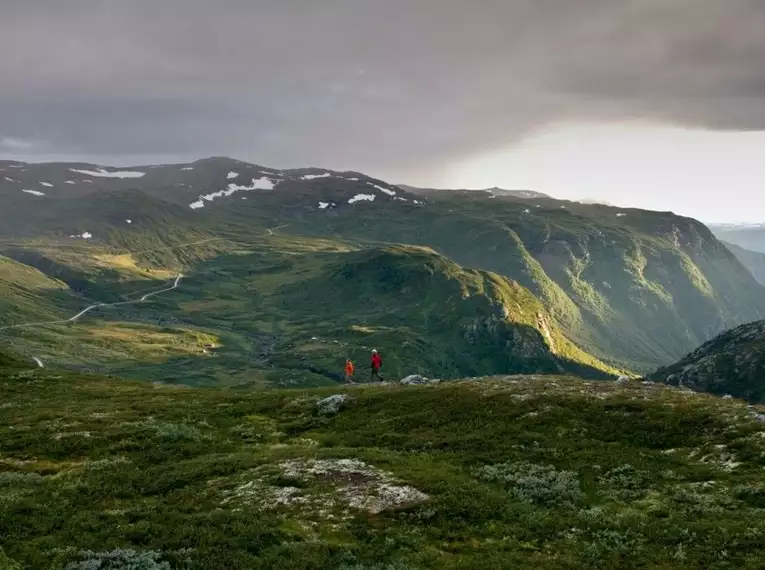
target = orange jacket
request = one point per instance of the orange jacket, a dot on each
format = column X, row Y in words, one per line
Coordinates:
column 349, row 368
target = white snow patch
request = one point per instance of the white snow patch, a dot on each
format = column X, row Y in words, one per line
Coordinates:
column 360, row 197
column 88, row 181
column 257, row 184
column 400, row 199
column 46, row 184
column 84, row 235
column 527, row 211
column 323, row 205
column 129, row 221
column 188, row 168
column 231, row 175
column 69, row 182
column 620, row 215
column 353, row 179
column 269, row 172
column 101, row 173
column 313, row 176
column 34, row 192
column 388, row 191
column 10, row 179
column 415, row 201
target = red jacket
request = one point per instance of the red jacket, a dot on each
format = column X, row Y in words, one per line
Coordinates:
column 376, row 361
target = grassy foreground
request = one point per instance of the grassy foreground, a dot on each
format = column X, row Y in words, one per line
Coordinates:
column 513, row 472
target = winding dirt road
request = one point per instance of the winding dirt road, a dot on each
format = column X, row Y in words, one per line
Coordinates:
column 97, row 306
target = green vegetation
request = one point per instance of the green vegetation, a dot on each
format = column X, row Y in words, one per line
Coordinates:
column 27, row 295
column 515, row 472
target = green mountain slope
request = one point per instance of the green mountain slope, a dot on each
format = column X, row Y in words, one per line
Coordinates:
column 291, row 310
column 433, row 316
column 517, row 472
column 732, row 363
column 27, row 295
column 754, row 261
column 633, row 287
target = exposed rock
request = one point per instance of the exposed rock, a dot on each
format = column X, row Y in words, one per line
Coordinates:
column 331, row 405
column 415, row 379
column 622, row 380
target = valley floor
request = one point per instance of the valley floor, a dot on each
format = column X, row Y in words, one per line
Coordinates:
column 508, row 472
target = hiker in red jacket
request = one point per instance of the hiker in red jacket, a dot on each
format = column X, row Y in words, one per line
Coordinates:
column 376, row 365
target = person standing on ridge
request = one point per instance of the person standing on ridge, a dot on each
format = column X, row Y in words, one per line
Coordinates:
column 376, row 365
column 349, row 369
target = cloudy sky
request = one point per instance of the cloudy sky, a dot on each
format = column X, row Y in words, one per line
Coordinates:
column 653, row 103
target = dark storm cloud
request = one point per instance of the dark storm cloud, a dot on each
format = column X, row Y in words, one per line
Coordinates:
column 387, row 86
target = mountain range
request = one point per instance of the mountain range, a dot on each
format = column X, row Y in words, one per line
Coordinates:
column 288, row 272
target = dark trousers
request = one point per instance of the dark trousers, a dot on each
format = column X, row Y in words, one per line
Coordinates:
column 376, row 375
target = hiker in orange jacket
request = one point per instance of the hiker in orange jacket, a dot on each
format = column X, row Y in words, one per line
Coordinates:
column 376, row 365
column 349, row 369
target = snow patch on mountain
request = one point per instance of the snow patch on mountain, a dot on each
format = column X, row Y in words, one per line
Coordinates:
column 10, row 179
column 34, row 192
column 129, row 221
column 84, row 235
column 381, row 189
column 101, row 173
column 231, row 175
column 69, row 182
column 314, row 176
column 187, row 168
column 46, row 184
column 362, row 197
column 257, row 184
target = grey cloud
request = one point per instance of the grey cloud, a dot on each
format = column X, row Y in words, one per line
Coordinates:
column 390, row 87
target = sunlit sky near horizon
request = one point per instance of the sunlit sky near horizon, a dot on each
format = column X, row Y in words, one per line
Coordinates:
column 714, row 176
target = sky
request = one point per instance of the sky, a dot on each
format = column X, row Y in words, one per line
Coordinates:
column 648, row 103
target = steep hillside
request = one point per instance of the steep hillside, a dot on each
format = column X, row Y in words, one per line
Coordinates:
column 434, row 317
column 27, row 295
column 732, row 363
column 754, row 261
column 513, row 472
